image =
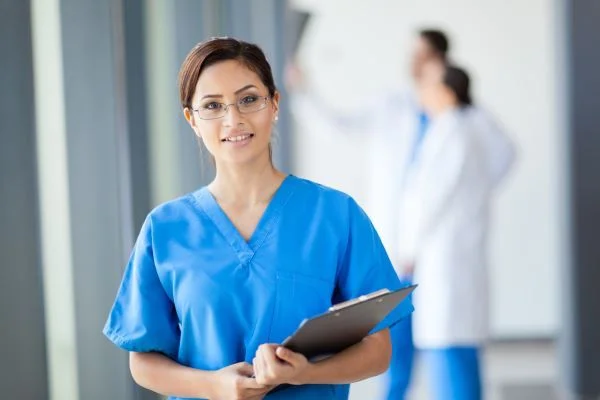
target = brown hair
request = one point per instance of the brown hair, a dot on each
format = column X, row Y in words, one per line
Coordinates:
column 437, row 40
column 457, row 80
column 215, row 50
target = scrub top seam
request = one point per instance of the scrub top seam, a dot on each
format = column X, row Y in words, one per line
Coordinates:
column 275, row 217
column 226, row 231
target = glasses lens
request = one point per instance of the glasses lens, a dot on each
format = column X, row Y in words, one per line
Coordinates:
column 250, row 104
column 212, row 111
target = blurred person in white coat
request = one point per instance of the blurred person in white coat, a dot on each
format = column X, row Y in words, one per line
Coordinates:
column 442, row 233
column 396, row 124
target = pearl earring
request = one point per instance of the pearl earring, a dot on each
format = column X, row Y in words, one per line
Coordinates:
column 276, row 118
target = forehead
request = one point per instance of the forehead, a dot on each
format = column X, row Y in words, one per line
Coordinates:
column 226, row 77
column 421, row 45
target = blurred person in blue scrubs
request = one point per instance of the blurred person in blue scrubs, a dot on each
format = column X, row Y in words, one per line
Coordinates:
column 220, row 277
column 443, row 228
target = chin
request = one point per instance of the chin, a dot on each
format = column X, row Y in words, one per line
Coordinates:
column 246, row 157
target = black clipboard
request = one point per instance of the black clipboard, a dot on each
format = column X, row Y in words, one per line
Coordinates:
column 344, row 324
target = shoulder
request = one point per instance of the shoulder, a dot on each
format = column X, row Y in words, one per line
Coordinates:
column 319, row 192
column 178, row 210
column 325, row 200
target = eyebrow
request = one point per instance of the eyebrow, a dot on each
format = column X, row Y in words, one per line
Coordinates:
column 236, row 92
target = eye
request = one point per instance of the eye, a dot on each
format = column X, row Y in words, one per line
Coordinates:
column 248, row 99
column 212, row 106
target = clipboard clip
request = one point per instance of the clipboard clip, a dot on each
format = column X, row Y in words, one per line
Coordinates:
column 359, row 299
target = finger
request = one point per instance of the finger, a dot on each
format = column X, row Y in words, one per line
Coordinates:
column 262, row 364
column 250, row 384
column 245, row 369
column 258, row 364
column 289, row 356
column 268, row 354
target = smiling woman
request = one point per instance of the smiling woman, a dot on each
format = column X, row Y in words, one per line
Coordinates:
column 220, row 277
column 223, row 73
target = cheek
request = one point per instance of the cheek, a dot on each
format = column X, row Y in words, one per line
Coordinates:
column 263, row 125
column 209, row 133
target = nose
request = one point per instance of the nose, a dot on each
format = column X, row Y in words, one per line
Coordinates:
column 232, row 115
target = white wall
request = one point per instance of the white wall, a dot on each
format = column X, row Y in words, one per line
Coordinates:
column 354, row 47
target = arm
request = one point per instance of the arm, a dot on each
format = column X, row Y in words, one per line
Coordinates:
column 306, row 101
column 276, row 365
column 144, row 322
column 368, row 358
column 500, row 150
column 158, row 373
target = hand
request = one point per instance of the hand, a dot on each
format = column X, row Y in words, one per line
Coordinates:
column 275, row 365
column 236, row 382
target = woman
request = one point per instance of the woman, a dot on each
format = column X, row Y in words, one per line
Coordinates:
column 443, row 232
column 220, row 276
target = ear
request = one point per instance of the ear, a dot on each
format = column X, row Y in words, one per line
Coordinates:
column 275, row 102
column 189, row 117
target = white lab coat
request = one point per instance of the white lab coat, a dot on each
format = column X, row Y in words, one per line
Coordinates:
column 443, row 228
column 392, row 121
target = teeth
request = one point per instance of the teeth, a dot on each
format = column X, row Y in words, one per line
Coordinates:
column 237, row 138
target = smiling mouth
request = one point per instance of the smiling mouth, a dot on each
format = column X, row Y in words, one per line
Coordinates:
column 238, row 138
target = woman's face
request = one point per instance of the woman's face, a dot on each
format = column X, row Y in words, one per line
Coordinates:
column 236, row 137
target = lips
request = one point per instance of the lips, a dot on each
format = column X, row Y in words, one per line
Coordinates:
column 238, row 138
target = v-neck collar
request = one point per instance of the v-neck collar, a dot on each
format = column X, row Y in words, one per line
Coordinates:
column 245, row 250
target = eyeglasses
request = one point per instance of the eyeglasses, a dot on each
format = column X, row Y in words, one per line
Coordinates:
column 245, row 105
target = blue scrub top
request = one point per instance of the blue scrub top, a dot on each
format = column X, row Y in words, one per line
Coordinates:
column 196, row 291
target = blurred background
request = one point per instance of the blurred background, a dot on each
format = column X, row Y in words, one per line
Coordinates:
column 92, row 137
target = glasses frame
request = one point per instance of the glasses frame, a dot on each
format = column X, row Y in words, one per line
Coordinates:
column 265, row 100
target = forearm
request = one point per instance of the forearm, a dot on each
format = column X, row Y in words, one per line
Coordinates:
column 356, row 122
column 368, row 358
column 158, row 373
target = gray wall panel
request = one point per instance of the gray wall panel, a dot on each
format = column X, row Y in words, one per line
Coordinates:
column 94, row 168
column 581, row 58
column 23, row 373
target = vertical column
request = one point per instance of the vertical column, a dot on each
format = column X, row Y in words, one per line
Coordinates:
column 85, row 199
column 137, row 94
column 580, row 63
column 94, row 135
column 23, row 372
column 161, row 103
column 55, row 226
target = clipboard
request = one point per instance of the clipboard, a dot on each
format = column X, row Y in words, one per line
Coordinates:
column 344, row 324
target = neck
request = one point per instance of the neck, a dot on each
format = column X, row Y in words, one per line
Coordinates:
column 246, row 184
column 442, row 107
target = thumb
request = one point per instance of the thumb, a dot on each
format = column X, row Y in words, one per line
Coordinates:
column 288, row 355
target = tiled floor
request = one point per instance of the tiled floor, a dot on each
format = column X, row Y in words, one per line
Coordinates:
column 513, row 371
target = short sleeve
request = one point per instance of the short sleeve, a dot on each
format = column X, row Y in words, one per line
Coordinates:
column 143, row 317
column 366, row 267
